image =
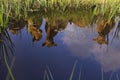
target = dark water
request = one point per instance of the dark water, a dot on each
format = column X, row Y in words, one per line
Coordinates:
column 72, row 44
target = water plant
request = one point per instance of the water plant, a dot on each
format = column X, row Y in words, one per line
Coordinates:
column 7, row 47
column 53, row 9
column 20, row 8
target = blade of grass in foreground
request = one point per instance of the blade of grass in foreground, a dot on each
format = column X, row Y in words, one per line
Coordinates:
column 7, row 65
column 117, row 77
column 48, row 78
column 12, row 63
column 72, row 73
column 50, row 73
column 102, row 74
column 111, row 75
column 80, row 73
column 45, row 75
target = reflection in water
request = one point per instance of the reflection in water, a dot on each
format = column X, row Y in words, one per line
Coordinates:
column 34, row 30
column 103, row 29
column 16, row 25
column 50, row 34
column 79, row 41
column 76, row 35
column 6, row 55
column 52, row 29
column 110, row 60
column 0, row 41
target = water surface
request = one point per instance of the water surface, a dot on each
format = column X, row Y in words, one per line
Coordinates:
column 59, row 48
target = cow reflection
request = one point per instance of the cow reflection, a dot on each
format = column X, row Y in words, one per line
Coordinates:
column 51, row 30
column 16, row 25
column 34, row 30
column 103, row 29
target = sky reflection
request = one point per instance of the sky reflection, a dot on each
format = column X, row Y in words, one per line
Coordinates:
column 80, row 43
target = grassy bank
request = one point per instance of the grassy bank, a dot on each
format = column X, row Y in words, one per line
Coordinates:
column 81, row 12
column 20, row 8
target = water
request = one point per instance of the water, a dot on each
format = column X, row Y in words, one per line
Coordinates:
column 57, row 51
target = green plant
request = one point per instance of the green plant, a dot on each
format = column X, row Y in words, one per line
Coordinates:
column 7, row 48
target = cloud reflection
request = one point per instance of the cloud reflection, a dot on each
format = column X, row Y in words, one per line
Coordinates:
column 109, row 59
column 80, row 43
column 78, row 40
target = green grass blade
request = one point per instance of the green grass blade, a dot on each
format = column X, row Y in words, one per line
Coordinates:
column 45, row 75
column 102, row 74
column 7, row 65
column 51, row 76
column 72, row 73
column 80, row 73
column 12, row 63
column 111, row 76
column 117, row 77
column 48, row 78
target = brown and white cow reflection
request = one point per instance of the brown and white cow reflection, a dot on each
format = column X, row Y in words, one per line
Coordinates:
column 34, row 30
column 52, row 29
column 103, row 29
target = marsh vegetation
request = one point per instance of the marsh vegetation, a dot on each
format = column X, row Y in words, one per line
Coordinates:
column 17, row 14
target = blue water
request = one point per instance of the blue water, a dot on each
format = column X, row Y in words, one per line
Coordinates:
column 73, row 44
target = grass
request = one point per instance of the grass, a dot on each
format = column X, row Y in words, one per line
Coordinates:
column 80, row 11
column 6, row 63
column 20, row 8
column 72, row 73
column 6, row 49
column 49, row 76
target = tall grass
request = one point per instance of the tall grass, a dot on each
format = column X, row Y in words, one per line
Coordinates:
column 69, row 9
column 6, row 62
column 73, row 70
column 7, row 48
column 49, row 76
column 20, row 8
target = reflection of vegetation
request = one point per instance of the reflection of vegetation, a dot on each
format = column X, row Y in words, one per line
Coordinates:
column 6, row 62
column 57, row 13
column 20, row 8
column 82, row 18
column 117, row 29
column 50, row 34
column 15, row 25
column 103, row 29
column 7, row 47
column 58, row 20
column 34, row 30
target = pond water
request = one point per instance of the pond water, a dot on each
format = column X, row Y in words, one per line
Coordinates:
column 57, row 52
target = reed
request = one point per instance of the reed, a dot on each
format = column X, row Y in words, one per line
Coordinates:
column 7, row 48
column 6, row 62
column 83, row 11
column 20, row 8
column 117, row 76
column 73, row 70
